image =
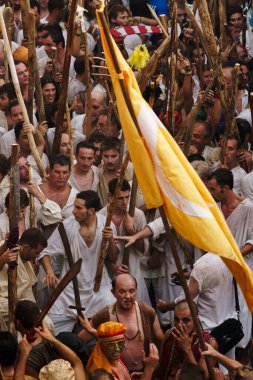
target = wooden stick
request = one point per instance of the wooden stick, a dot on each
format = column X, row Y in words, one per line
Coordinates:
column 8, row 17
column 31, row 65
column 31, row 200
column 20, row 98
column 88, row 111
column 65, row 79
column 223, row 22
column 70, row 135
column 14, row 224
column 102, row 256
column 131, row 111
column 53, row 56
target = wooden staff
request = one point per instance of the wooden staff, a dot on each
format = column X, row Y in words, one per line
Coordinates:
column 88, row 111
column 31, row 200
column 223, row 22
column 102, row 256
column 14, row 224
column 31, row 64
column 53, row 56
column 132, row 203
column 173, row 246
column 111, row 101
column 8, row 18
column 172, row 73
column 70, row 135
column 20, row 98
column 65, row 79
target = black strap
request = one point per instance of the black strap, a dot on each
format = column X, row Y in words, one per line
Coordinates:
column 237, row 306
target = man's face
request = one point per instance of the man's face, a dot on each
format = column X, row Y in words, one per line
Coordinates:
column 236, row 19
column 199, row 139
column 23, row 74
column 111, row 159
column 121, row 19
column 23, row 170
column 49, row 44
column 244, row 76
column 78, row 105
column 181, row 16
column 227, row 73
column 98, row 154
column 122, row 200
column 4, row 102
column 125, row 292
column 28, row 253
column 216, row 190
column 16, row 114
column 113, row 350
column 85, row 159
column 49, row 92
column 65, row 144
column 43, row 3
column 36, row 15
column 59, row 175
column 231, row 152
column 23, row 142
column 183, row 316
column 102, row 125
column 200, row 57
column 97, row 104
column 40, row 38
column 207, row 77
column 80, row 211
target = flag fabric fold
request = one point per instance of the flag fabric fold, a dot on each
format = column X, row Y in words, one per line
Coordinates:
column 167, row 178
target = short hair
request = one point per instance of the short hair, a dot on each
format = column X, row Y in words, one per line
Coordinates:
column 223, row 177
column 113, row 183
column 235, row 137
column 202, row 168
column 13, row 103
column 96, row 138
column 79, row 65
column 24, row 200
column 110, row 143
column 243, row 128
column 27, row 312
column 115, row 10
column 207, row 127
column 55, row 32
column 4, row 165
column 114, row 119
column 8, row 89
column 101, row 372
column 195, row 157
column 33, row 237
column 18, row 128
column 35, row 4
column 55, row 4
column 114, row 281
column 61, row 160
column 233, row 10
column 191, row 371
column 8, row 349
column 91, row 199
column 84, row 144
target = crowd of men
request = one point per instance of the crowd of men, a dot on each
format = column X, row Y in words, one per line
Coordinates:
column 138, row 324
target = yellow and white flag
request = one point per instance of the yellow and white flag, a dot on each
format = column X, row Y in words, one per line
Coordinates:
column 166, row 177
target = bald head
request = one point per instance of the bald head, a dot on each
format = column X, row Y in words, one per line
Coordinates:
column 98, row 102
column 123, row 278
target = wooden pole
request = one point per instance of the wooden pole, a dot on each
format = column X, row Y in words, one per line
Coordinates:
column 65, row 79
column 20, row 98
column 70, row 135
column 31, row 200
column 102, row 256
column 88, row 111
column 8, row 17
column 14, row 224
column 172, row 73
column 176, row 258
column 31, row 64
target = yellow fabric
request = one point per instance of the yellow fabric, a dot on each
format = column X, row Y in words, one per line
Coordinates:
column 166, row 177
column 139, row 58
column 21, row 54
column 98, row 359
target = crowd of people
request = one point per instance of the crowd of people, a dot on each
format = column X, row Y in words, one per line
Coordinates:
column 135, row 321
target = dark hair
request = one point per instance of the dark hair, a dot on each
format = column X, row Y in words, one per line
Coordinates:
column 8, row 349
column 113, row 183
column 115, row 10
column 207, row 127
column 96, row 138
column 235, row 137
column 46, row 80
column 100, row 372
column 13, row 103
column 233, row 10
column 18, row 128
column 60, row 159
column 185, row 301
column 4, row 165
column 110, row 143
column 91, row 199
column 195, row 157
column 191, row 371
column 84, row 144
column 55, row 32
column 223, row 177
column 114, row 119
column 79, row 65
column 27, row 313
column 55, row 4
column 8, row 89
column 243, row 128
column 35, row 4
column 114, row 281
column 33, row 237
column 24, row 200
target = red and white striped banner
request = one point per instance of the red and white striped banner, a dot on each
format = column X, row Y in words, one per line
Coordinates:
column 137, row 29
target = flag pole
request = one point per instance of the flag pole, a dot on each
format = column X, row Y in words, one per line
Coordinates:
column 164, row 218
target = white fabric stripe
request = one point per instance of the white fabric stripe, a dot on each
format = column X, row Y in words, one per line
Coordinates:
column 150, row 134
